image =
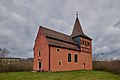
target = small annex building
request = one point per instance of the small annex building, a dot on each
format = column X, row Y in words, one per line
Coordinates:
column 55, row 51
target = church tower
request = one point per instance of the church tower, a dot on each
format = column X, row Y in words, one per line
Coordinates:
column 83, row 41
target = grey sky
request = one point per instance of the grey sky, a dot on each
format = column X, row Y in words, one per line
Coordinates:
column 20, row 19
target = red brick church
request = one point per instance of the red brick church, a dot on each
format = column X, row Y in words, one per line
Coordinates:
column 55, row 51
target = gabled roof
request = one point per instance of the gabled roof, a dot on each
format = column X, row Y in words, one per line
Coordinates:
column 77, row 30
column 58, row 39
column 57, row 35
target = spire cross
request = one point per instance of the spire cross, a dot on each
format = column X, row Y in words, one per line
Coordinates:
column 76, row 14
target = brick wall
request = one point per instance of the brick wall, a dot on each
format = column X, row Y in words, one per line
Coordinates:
column 62, row 56
column 42, row 46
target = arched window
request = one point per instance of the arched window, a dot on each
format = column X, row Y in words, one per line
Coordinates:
column 69, row 57
column 75, row 58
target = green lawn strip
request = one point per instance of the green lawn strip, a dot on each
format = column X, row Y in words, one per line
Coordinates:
column 68, row 75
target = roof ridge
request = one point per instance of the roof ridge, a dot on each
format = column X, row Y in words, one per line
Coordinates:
column 55, row 31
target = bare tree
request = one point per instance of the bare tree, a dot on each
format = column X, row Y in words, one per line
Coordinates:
column 3, row 53
column 96, row 57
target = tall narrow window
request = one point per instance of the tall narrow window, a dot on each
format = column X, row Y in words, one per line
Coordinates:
column 39, row 64
column 69, row 57
column 39, row 53
column 75, row 58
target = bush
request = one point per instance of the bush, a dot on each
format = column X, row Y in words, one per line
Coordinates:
column 111, row 66
column 12, row 66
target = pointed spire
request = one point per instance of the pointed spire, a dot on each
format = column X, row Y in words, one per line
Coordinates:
column 77, row 30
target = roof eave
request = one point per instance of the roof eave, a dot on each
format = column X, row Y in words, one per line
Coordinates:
column 82, row 36
column 64, row 47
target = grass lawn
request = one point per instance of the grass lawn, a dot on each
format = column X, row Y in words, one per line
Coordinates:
column 70, row 75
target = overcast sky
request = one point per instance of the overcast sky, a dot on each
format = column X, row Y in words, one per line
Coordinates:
column 20, row 20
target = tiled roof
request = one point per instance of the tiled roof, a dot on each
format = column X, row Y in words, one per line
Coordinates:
column 61, row 44
column 58, row 39
column 57, row 35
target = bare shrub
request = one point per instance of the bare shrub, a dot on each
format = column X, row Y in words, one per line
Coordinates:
column 112, row 66
column 12, row 66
